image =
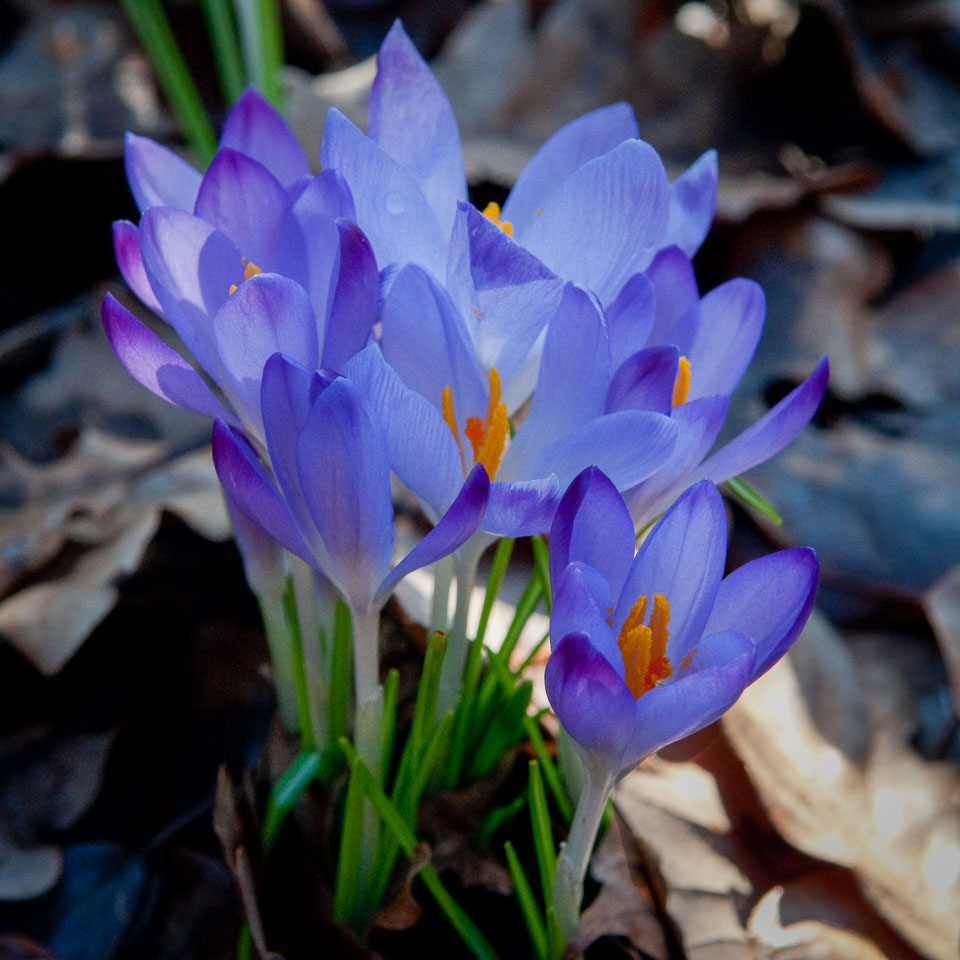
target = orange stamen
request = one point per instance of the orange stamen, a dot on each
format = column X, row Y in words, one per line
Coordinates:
column 492, row 212
column 450, row 419
column 251, row 270
column 681, row 386
column 643, row 647
column 488, row 437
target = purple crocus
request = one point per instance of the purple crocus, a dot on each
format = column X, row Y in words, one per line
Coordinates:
column 594, row 204
column 651, row 647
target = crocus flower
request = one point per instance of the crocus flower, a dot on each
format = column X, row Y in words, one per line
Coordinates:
column 651, row 647
column 594, row 204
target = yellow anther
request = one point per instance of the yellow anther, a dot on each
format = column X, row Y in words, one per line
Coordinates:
column 488, row 437
column 233, row 289
column 450, row 419
column 681, row 386
column 251, row 270
column 492, row 212
column 643, row 647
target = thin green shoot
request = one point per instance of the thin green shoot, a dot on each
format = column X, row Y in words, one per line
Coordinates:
column 542, row 564
column 261, row 39
column 226, row 48
column 542, row 832
column 742, row 490
column 341, row 679
column 496, row 819
column 528, row 903
column 307, row 739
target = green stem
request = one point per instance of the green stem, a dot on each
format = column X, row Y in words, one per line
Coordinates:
column 280, row 645
column 307, row 738
column 226, row 49
column 440, row 603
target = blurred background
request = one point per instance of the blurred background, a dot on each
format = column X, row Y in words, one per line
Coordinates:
column 823, row 818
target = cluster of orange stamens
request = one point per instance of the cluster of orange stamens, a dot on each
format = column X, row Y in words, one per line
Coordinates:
column 492, row 212
column 250, row 270
column 488, row 436
column 644, row 647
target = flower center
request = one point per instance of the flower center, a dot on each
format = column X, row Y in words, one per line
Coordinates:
column 681, row 386
column 644, row 647
column 492, row 212
column 250, row 270
column 488, row 436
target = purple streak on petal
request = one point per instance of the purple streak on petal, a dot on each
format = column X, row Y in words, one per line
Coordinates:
column 157, row 176
column 424, row 340
column 355, row 299
column 730, row 323
column 589, row 698
column 422, row 450
column 582, row 603
column 345, row 477
column 645, row 381
column 593, row 526
column 682, row 559
column 126, row 247
column 453, row 529
column 692, row 198
column 410, row 118
column 266, row 315
column 772, row 432
column 521, row 508
column 630, row 319
column 675, row 710
column 255, row 128
column 698, row 424
column 191, row 267
column 504, row 295
column 768, row 599
column 605, row 222
column 574, row 376
column 251, row 491
column 158, row 367
column 391, row 208
column 627, row 446
column 675, row 290
column 244, row 200
column 583, row 139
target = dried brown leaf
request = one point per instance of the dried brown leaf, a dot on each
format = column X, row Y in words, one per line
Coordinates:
column 403, row 911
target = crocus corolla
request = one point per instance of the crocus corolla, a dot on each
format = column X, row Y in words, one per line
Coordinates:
column 651, row 647
column 594, row 204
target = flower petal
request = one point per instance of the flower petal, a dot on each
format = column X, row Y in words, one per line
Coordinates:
column 645, row 381
column 158, row 367
column 675, row 290
column 354, row 305
column 768, row 599
column 590, row 699
column 605, row 222
column 592, row 525
column 630, row 318
column 772, row 432
column 583, row 603
column 345, row 477
column 126, row 248
column 589, row 136
column 692, row 198
column 391, row 208
column 521, row 508
column 682, row 559
column 254, row 127
column 157, row 176
column 453, row 529
column 410, row 118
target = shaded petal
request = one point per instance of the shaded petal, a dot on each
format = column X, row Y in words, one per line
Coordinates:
column 245, row 201
column 157, row 176
column 503, row 293
column 692, row 198
column 592, row 526
column 589, row 136
column 583, row 603
column 266, row 315
column 730, row 323
column 675, row 291
column 627, row 446
column 250, row 490
column 772, row 432
column 354, row 307
column 126, row 248
column 191, row 267
column 682, row 559
column 768, row 599
column 675, row 710
column 424, row 340
column 522, row 508
column 345, row 478
column 605, row 222
column 254, row 127
column 391, row 207
column 158, row 367
column 589, row 697
column 326, row 195
column 630, row 318
column 453, row 529
column 422, row 450
column 410, row 118
column 645, row 381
